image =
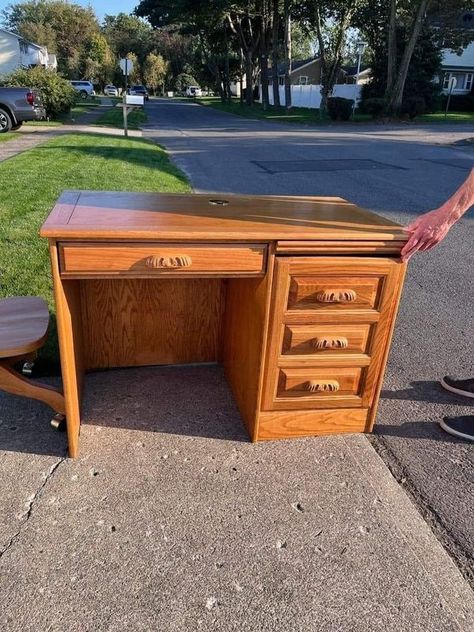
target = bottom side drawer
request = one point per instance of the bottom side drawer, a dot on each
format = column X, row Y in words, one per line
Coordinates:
column 283, row 424
column 319, row 387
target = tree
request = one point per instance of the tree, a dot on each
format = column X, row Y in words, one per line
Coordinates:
column 331, row 19
column 134, row 77
column 395, row 28
column 154, row 71
column 424, row 65
column 128, row 34
column 210, row 28
column 64, row 28
column 287, row 49
column 275, row 52
column 97, row 61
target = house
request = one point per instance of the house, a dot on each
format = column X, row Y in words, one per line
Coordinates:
column 17, row 52
column 304, row 72
column 461, row 67
column 365, row 74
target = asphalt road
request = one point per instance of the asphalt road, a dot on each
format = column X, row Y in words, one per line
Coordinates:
column 413, row 169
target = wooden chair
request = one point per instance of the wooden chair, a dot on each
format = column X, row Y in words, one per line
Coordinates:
column 23, row 330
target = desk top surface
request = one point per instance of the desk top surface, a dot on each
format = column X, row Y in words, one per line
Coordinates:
column 143, row 216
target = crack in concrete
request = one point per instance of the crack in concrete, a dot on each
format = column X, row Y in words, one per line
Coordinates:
column 462, row 558
column 31, row 504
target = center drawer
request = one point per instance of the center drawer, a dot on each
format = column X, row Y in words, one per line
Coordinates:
column 82, row 260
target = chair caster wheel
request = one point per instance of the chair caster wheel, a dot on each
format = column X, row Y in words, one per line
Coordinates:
column 27, row 368
column 58, row 422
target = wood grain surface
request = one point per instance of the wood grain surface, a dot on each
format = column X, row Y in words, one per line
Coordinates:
column 83, row 260
column 129, row 216
column 23, row 325
column 139, row 322
column 284, row 424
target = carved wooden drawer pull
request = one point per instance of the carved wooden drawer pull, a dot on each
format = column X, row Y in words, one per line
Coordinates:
column 336, row 296
column 329, row 386
column 179, row 261
column 330, row 343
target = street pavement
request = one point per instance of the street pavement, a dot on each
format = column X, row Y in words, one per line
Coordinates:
column 416, row 168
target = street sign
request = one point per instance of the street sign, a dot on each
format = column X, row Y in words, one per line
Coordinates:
column 126, row 66
column 451, row 84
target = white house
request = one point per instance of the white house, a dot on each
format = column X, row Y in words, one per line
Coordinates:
column 459, row 66
column 16, row 52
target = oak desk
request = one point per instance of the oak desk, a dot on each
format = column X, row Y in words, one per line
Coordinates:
column 296, row 296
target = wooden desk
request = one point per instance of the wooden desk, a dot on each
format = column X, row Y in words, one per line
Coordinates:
column 296, row 296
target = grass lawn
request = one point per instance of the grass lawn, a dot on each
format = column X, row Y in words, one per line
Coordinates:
column 309, row 116
column 6, row 136
column 114, row 118
column 68, row 117
column 453, row 117
column 33, row 180
column 306, row 116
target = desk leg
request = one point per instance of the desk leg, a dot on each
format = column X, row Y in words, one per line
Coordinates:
column 68, row 314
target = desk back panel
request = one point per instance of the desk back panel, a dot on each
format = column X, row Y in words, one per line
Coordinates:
column 140, row 322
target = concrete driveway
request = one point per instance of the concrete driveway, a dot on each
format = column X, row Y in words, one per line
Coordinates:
column 399, row 171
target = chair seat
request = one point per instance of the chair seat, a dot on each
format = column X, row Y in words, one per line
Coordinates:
column 23, row 325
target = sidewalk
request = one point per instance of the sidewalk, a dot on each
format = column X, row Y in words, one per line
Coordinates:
column 29, row 137
column 171, row 520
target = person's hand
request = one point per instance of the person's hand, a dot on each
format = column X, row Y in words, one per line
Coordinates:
column 426, row 231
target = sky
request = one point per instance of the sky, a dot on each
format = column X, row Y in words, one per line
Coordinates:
column 101, row 7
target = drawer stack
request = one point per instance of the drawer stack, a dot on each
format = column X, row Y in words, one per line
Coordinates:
column 329, row 336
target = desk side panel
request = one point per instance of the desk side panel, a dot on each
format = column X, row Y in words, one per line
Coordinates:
column 69, row 324
column 244, row 343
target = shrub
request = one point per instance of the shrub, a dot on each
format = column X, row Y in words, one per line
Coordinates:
column 413, row 106
column 340, row 109
column 459, row 102
column 58, row 94
column 376, row 106
column 184, row 80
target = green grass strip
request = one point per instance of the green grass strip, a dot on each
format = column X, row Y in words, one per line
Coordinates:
column 32, row 182
column 114, row 118
column 6, row 136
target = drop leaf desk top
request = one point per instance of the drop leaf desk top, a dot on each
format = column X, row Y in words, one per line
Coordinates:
column 295, row 296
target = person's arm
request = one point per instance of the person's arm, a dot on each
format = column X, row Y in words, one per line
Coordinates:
column 431, row 228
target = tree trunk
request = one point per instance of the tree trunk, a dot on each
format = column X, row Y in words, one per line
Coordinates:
column 392, row 47
column 322, row 57
column 275, row 42
column 264, row 80
column 396, row 96
column 227, row 92
column 287, row 18
column 241, row 77
column 248, row 77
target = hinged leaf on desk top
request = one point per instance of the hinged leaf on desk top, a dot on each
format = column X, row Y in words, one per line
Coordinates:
column 124, row 215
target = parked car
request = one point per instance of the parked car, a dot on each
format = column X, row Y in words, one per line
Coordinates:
column 193, row 91
column 18, row 105
column 111, row 91
column 85, row 88
column 139, row 91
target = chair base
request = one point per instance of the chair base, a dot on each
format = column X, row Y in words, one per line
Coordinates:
column 14, row 383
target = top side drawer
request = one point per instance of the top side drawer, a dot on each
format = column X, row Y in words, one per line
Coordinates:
column 329, row 287
column 83, row 260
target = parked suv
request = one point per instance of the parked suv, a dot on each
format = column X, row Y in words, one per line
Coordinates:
column 85, row 88
column 139, row 91
column 18, row 105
